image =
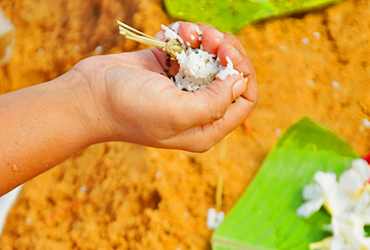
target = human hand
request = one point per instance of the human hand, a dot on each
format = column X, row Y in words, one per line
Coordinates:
column 132, row 99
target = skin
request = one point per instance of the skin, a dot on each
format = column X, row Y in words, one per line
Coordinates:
column 122, row 97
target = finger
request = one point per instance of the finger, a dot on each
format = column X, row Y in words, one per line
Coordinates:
column 241, row 63
column 209, row 104
column 212, row 39
column 170, row 67
column 208, row 135
column 160, row 35
column 190, row 33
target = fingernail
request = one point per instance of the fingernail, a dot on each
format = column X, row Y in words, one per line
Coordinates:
column 239, row 88
column 219, row 34
column 235, row 50
column 160, row 35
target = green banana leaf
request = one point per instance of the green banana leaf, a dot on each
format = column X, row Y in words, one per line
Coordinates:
column 265, row 216
column 232, row 15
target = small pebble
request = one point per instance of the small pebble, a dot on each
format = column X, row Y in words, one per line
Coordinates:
column 306, row 41
column 83, row 189
column 278, row 132
column 316, row 35
column 28, row 221
column 182, row 157
column 99, row 49
column 366, row 123
column 40, row 52
column 335, row 85
column 310, row 83
column 158, row 175
column 29, row 16
column 282, row 48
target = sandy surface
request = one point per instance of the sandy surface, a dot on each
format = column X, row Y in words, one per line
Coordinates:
column 122, row 196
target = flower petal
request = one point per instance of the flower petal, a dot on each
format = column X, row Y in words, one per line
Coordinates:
column 311, row 192
column 362, row 203
column 351, row 181
column 326, row 181
column 337, row 243
column 310, row 207
column 362, row 168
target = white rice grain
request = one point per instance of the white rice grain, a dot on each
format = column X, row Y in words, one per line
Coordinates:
column 198, row 68
column 198, row 30
column 175, row 27
column 169, row 33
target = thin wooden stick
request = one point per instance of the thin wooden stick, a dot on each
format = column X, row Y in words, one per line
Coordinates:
column 172, row 46
column 132, row 29
column 142, row 39
column 219, row 192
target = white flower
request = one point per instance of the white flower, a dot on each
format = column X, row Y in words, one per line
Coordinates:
column 314, row 197
column 348, row 229
column 348, row 201
column 319, row 193
column 348, row 234
column 354, row 179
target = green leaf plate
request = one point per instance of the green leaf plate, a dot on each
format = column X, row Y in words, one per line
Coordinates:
column 265, row 216
column 232, row 15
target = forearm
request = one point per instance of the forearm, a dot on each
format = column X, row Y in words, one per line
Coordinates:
column 40, row 127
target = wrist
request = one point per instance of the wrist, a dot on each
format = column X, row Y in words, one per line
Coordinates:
column 89, row 113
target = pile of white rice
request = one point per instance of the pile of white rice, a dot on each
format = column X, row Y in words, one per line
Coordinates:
column 198, row 68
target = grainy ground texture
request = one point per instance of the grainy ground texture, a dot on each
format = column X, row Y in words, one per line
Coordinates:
column 122, row 196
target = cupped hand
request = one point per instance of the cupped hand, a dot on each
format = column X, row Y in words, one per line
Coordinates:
column 133, row 99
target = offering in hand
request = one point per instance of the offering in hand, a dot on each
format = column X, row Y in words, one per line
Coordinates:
column 197, row 67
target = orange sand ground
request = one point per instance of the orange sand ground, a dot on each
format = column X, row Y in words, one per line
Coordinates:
column 144, row 198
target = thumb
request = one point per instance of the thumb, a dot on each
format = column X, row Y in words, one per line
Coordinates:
column 210, row 104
